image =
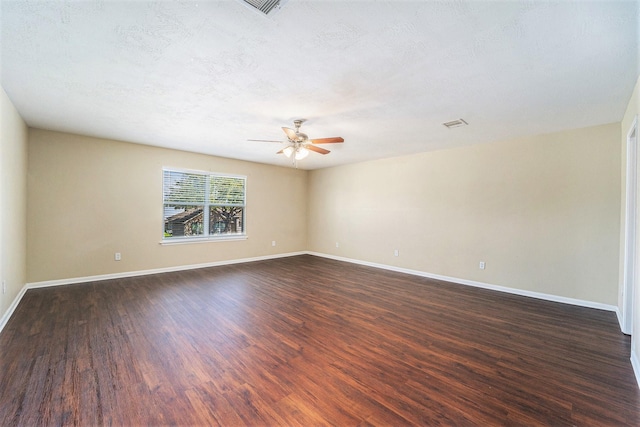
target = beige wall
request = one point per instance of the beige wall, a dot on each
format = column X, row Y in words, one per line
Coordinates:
column 542, row 212
column 13, row 194
column 89, row 198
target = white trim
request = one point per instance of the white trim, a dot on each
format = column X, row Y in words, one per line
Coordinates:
column 188, row 240
column 619, row 316
column 206, row 204
column 521, row 292
column 630, row 265
column 87, row 279
column 5, row 317
column 202, row 172
column 635, row 363
column 76, row 280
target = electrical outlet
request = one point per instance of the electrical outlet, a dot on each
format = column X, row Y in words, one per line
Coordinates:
column 118, row 256
column 337, row 244
column 273, row 243
column 396, row 252
column 482, row 265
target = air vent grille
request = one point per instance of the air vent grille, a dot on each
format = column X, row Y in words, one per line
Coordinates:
column 264, row 6
column 455, row 123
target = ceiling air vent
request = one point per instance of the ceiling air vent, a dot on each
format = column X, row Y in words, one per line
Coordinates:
column 264, row 6
column 455, row 123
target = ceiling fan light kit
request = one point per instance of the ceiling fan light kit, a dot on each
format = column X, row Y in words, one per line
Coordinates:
column 300, row 144
column 301, row 153
column 288, row 151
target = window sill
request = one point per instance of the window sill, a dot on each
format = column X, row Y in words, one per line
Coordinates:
column 179, row 241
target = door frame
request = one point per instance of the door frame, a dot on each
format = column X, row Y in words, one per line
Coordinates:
column 631, row 250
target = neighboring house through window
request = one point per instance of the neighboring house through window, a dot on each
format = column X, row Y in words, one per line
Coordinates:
column 201, row 205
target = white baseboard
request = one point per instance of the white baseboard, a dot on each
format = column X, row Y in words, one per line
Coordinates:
column 5, row 317
column 635, row 362
column 619, row 317
column 75, row 280
column 100, row 277
column 538, row 295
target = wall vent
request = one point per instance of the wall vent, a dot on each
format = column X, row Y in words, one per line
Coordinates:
column 455, row 123
column 264, row 6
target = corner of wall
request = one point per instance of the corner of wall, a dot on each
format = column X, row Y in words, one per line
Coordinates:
column 13, row 192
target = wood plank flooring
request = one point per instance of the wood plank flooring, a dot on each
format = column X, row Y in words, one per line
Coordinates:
column 309, row 341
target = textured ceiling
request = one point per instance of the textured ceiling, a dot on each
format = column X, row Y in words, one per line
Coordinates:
column 205, row 76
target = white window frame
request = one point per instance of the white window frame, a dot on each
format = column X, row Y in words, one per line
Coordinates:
column 205, row 236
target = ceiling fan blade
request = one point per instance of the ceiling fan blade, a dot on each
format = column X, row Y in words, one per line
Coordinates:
column 317, row 149
column 333, row 140
column 291, row 134
column 263, row 140
column 281, row 151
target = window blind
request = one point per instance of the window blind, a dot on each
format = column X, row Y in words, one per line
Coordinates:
column 226, row 190
column 203, row 205
column 183, row 187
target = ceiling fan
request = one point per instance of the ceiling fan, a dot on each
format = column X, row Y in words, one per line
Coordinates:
column 300, row 144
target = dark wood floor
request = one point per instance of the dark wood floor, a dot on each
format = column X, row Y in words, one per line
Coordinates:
column 308, row 341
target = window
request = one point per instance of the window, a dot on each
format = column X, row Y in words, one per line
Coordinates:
column 201, row 205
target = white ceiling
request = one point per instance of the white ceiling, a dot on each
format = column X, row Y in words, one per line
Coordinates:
column 205, row 76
